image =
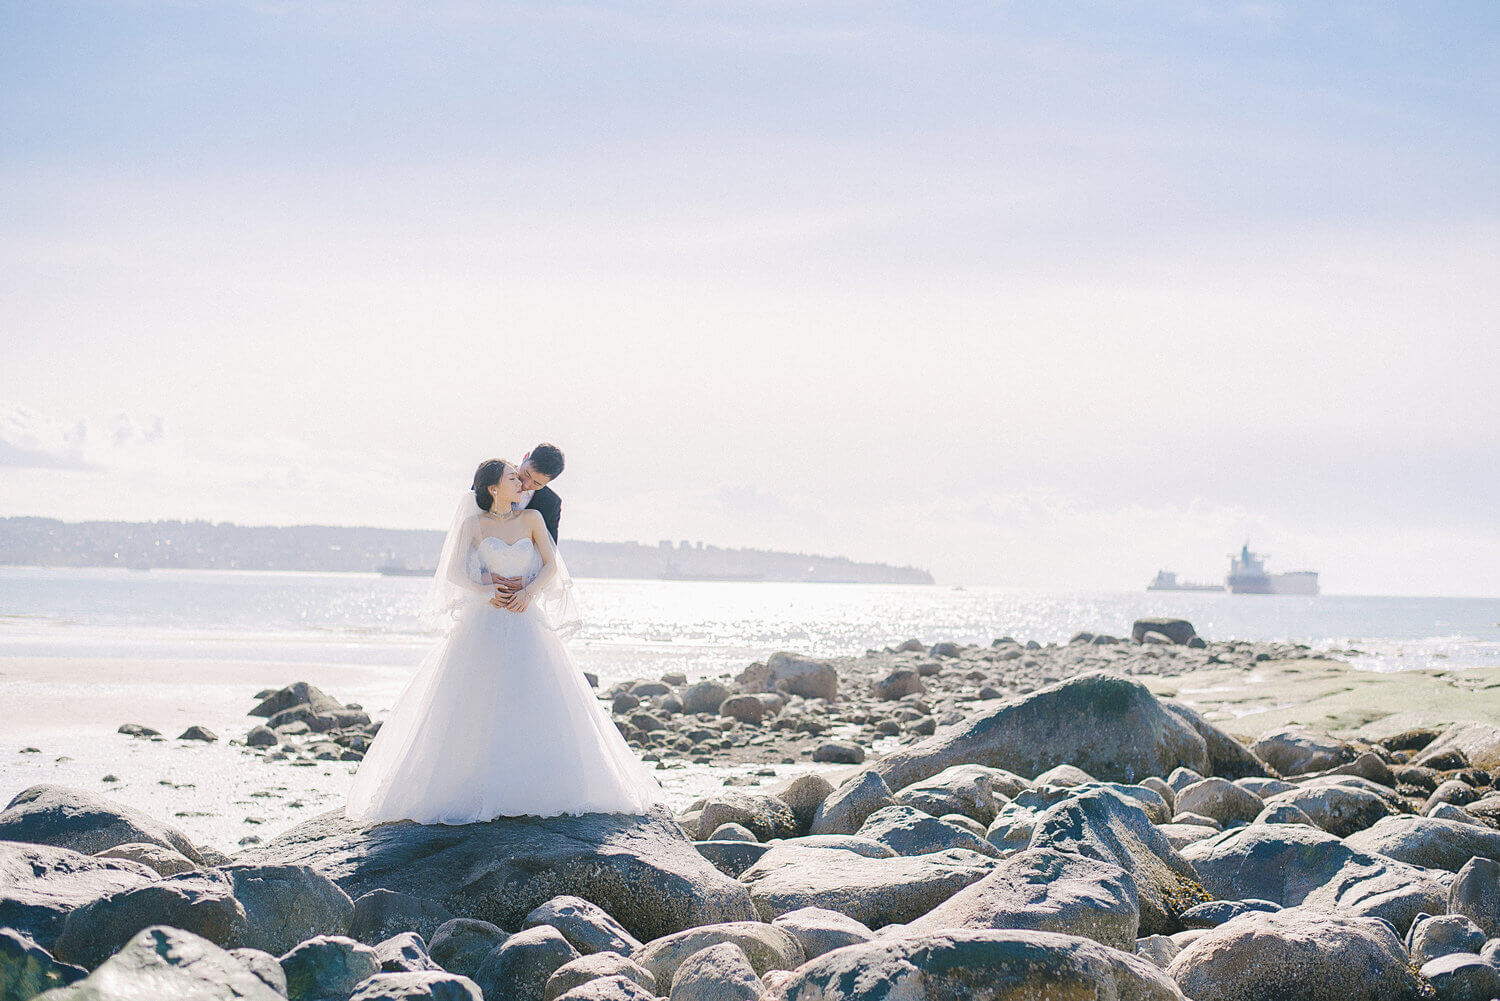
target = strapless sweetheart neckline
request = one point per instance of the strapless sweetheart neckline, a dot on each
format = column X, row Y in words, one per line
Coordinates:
column 496, row 538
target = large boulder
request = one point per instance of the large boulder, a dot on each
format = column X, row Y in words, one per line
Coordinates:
column 462, row 944
column 705, row 696
column 1227, row 757
column 1427, row 841
column 795, row 675
column 1220, row 799
column 1297, row 955
column 908, row 831
column 200, row 902
column 1295, row 750
column 844, row 809
column 718, row 973
column 578, row 972
column 1043, row 890
column 1462, row 977
column 1111, row 727
column 327, row 966
column 764, row 815
column 819, row 930
column 587, row 926
column 161, row 963
column 380, row 914
column 1478, row 742
column 296, row 694
column 287, row 904
column 1338, row 809
column 1179, row 631
column 519, row 969
column 979, row 965
column 40, row 885
column 643, row 870
column 65, row 817
column 1433, row 936
column 804, row 794
column 965, row 789
column 26, row 969
column 1293, row 865
column 767, row 946
column 424, row 985
column 1102, row 824
column 165, row 861
column 875, row 891
column 1475, row 893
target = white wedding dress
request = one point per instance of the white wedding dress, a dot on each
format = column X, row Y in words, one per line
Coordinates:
column 498, row 721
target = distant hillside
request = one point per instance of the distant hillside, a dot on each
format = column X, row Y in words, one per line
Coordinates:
column 201, row 545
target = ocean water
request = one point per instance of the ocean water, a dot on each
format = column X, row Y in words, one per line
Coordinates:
column 641, row 628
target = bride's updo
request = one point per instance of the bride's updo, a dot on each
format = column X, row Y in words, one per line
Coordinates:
column 486, row 476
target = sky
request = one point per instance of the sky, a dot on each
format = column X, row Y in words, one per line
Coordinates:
column 1041, row 295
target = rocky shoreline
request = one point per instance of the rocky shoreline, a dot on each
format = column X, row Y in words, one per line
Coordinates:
column 1016, row 821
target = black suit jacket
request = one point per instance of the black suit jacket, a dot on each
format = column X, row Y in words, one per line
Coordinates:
column 549, row 505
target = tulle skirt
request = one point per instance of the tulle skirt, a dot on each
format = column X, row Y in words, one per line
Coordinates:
column 498, row 721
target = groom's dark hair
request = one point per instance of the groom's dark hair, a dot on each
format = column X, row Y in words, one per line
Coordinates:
column 547, row 459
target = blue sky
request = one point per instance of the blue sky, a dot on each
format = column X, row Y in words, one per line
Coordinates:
column 1044, row 295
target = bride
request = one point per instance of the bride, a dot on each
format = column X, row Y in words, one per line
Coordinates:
column 498, row 721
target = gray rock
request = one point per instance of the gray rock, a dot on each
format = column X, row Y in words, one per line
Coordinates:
column 732, row 857
column 166, row 861
column 718, row 973
column 1044, row 890
column 616, row 988
column 405, row 953
column 1462, row 977
column 1220, row 799
column 1453, row 791
column 732, row 832
column 819, row 930
column 1102, row 824
column 743, row 708
column 1160, row 787
column 1213, row 913
column 298, row 693
column 1292, row 865
column 793, row 674
column 519, row 969
column 848, row 842
column 461, row 945
column 1427, row 841
column 592, row 967
column 84, row 822
column 898, row 684
column 875, row 891
column 909, row 831
column 26, row 969
column 767, row 947
column 643, row 870
column 705, row 696
column 1284, row 813
column 1478, row 742
column 417, row 986
column 200, row 902
column 1178, row 631
column 841, row 752
column 261, row 735
column 1475, row 893
column 848, row 806
column 1294, row 750
column 265, row 966
column 1064, row 776
column 764, row 815
column 587, row 927
column 161, row 963
column 1158, row 949
column 40, row 885
column 1181, row 778
column 379, row 914
column 1449, row 811
column 1227, row 757
column 804, row 794
column 1299, row 955
column 287, row 904
column 202, row 733
column 327, row 966
column 1431, row 937
column 979, row 965
column 1182, row 835
column 1111, row 727
column 1264, row 788
column 1182, row 819
column 1338, row 809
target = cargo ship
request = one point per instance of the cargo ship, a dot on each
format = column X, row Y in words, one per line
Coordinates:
column 1248, row 575
column 1166, row 580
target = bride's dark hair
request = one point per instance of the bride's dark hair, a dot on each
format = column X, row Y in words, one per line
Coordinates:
column 486, row 476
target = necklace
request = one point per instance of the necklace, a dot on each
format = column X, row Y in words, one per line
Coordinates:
column 503, row 517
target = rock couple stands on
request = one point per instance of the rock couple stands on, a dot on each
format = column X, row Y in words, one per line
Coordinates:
column 1084, row 840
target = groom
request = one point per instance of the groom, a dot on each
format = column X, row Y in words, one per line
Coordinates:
column 539, row 467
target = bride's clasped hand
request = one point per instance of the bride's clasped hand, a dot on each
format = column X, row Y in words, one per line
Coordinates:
column 498, row 720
